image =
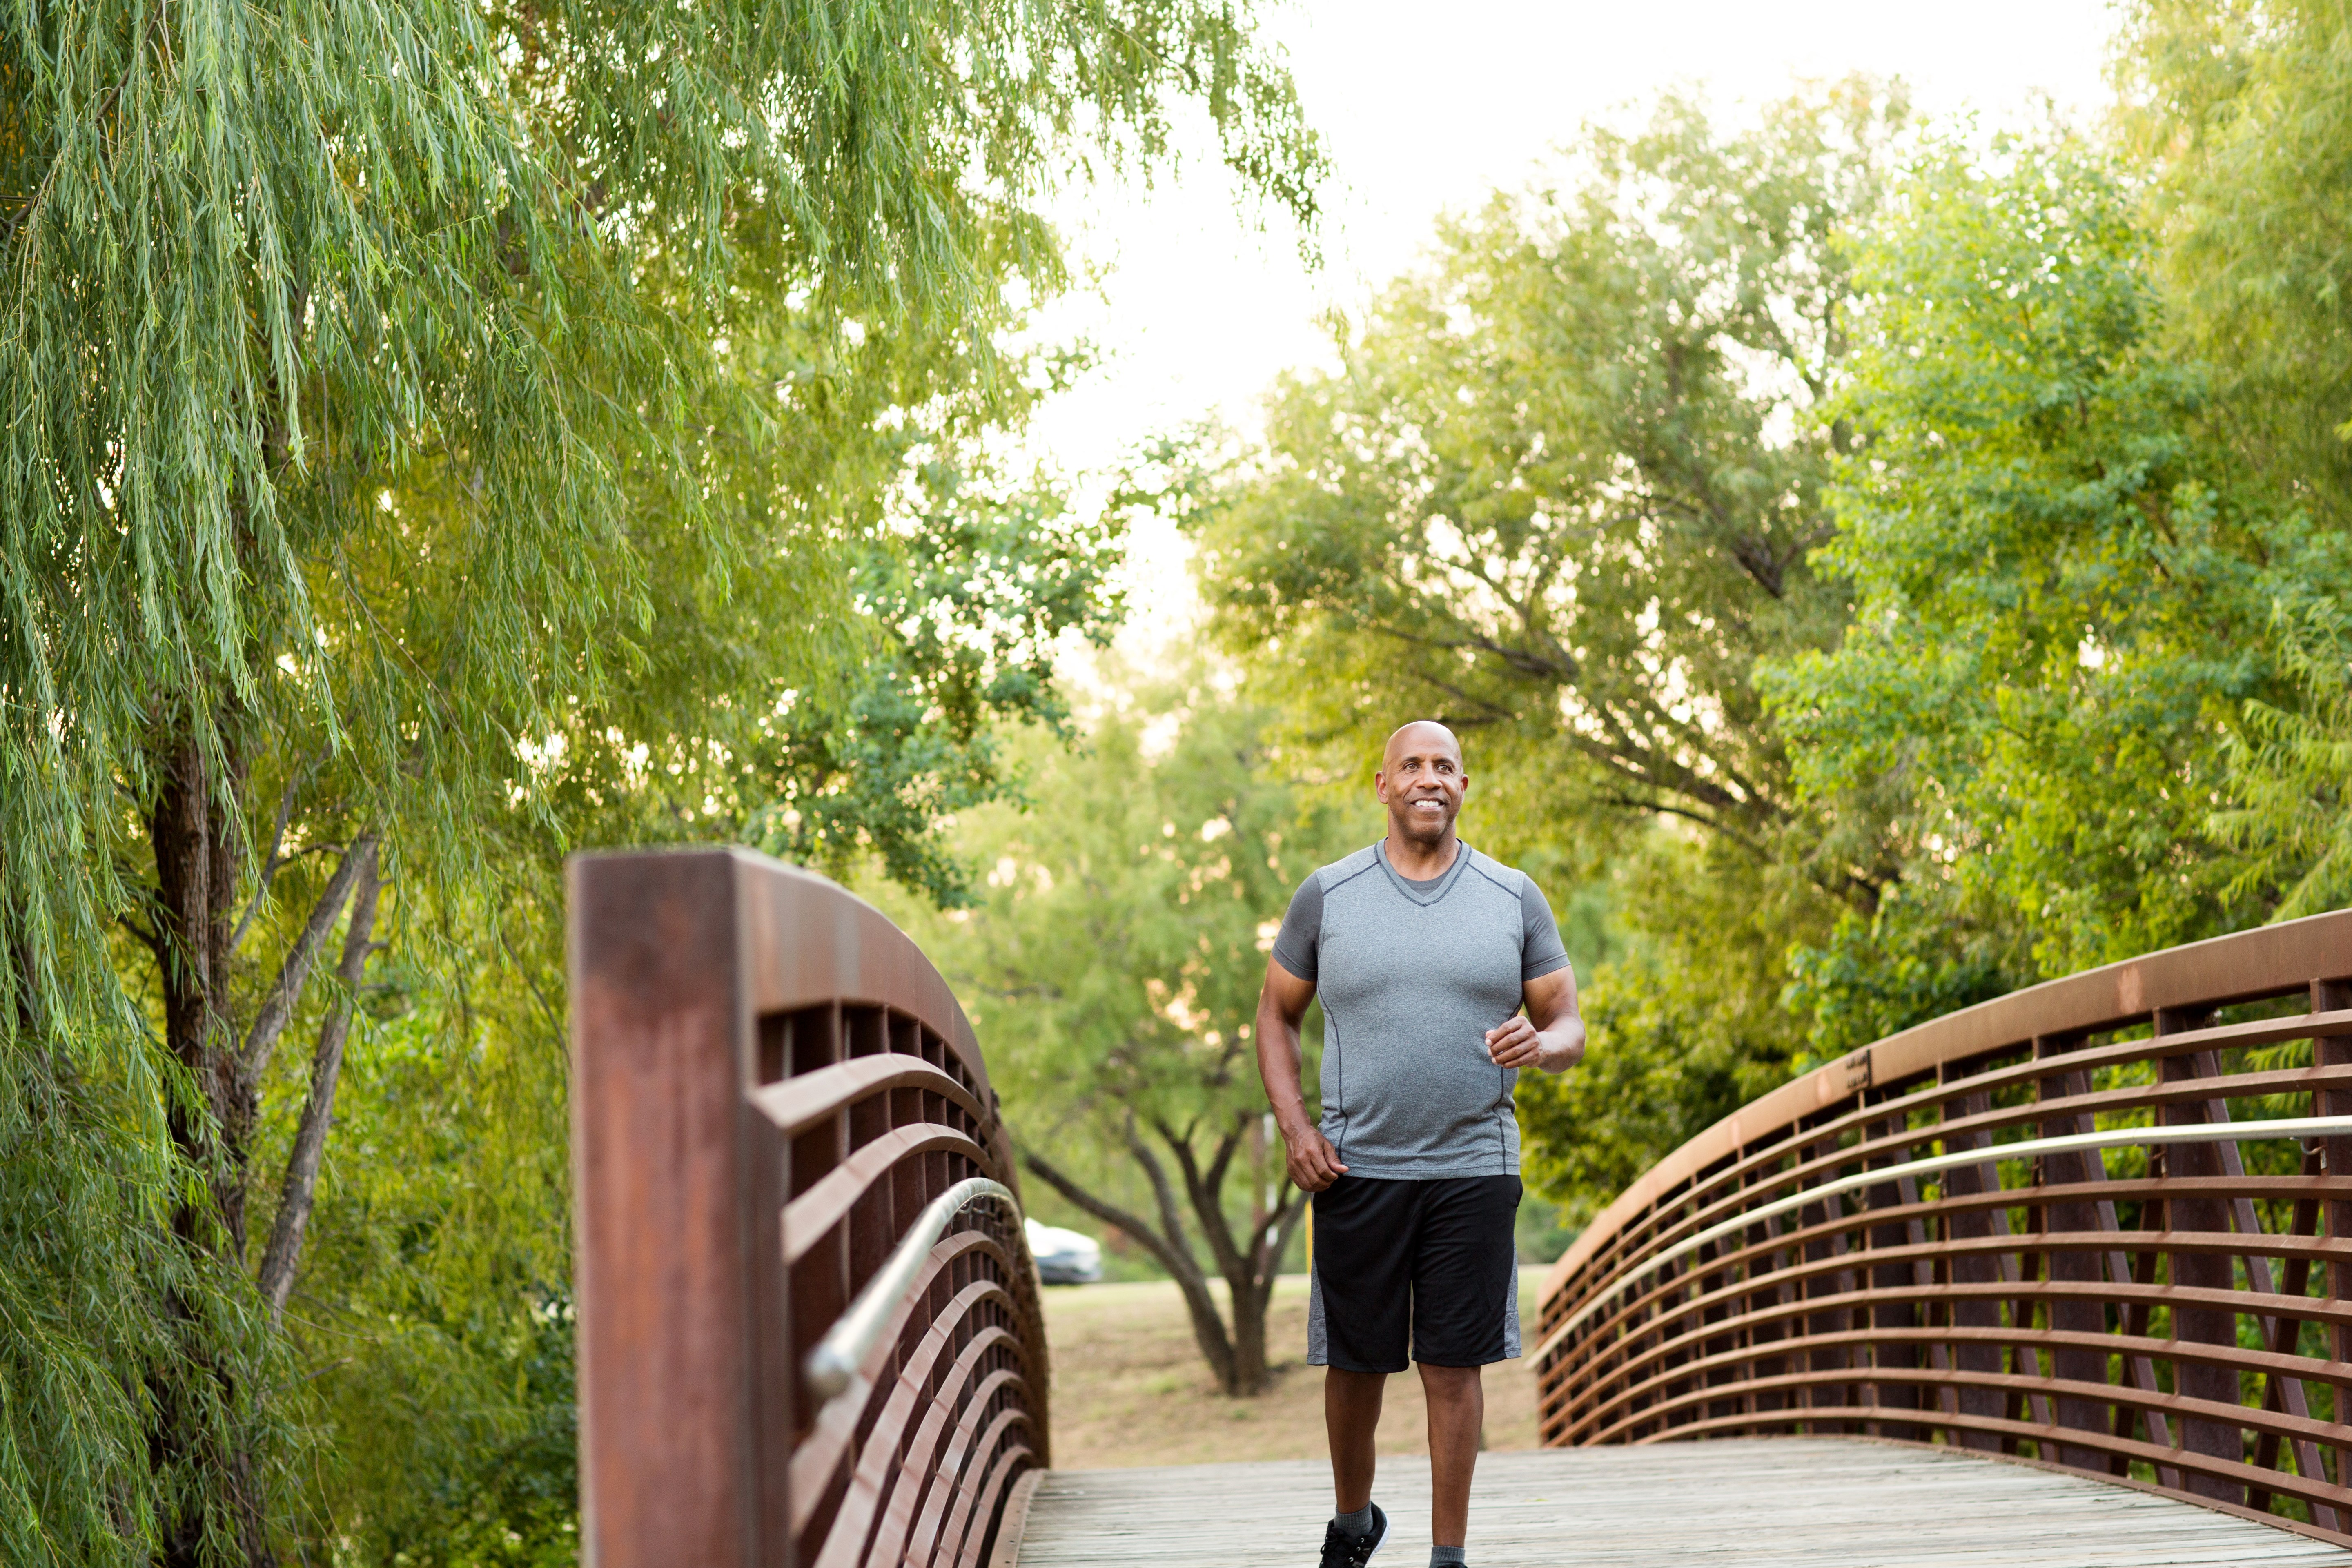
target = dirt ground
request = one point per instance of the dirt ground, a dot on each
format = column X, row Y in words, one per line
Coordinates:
column 1131, row 1388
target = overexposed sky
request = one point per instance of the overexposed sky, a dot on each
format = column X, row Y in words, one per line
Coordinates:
column 1426, row 109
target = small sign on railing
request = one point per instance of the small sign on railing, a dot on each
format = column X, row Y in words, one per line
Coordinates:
column 1857, row 1071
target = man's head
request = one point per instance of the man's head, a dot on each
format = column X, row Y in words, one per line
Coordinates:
column 1421, row 782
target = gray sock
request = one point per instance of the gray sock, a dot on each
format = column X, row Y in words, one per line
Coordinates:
column 1357, row 1525
column 1445, row 1557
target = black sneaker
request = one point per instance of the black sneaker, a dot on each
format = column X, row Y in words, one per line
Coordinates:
column 1342, row 1550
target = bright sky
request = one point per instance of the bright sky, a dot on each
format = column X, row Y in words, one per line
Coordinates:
column 1426, row 109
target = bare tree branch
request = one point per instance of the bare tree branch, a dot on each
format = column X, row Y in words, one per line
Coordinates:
column 1171, row 1214
column 1208, row 1329
column 1110, row 1214
column 1207, row 1191
column 301, row 1184
column 295, row 971
column 270, row 862
column 1213, row 1179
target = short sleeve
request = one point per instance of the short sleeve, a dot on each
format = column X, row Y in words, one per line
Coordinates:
column 1541, row 951
column 1296, row 946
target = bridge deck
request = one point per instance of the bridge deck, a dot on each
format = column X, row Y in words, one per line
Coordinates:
column 1764, row 1503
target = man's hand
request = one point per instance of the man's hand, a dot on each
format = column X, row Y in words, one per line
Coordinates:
column 1515, row 1044
column 1314, row 1163
column 1550, row 1035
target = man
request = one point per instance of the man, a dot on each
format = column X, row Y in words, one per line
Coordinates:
column 1424, row 953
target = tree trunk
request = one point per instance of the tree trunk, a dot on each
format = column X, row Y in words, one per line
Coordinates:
column 196, row 1405
column 286, row 994
column 1248, row 1265
column 202, row 1408
column 195, row 884
column 1236, row 1355
column 1168, row 1247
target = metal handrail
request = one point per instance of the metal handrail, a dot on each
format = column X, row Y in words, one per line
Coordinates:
column 832, row 1366
column 2118, row 1138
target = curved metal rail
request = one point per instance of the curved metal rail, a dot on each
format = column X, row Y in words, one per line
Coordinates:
column 810, row 1333
column 2104, row 1223
column 834, row 1365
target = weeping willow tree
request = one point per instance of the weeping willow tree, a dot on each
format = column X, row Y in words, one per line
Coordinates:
column 436, row 432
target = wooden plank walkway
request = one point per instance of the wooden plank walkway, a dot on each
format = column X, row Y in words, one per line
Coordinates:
column 1791, row 1502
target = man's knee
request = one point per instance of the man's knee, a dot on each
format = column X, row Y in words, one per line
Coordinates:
column 1450, row 1382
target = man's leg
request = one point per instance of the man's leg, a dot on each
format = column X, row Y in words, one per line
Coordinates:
column 1457, row 1411
column 1351, row 1418
column 1464, row 1314
column 1358, row 1324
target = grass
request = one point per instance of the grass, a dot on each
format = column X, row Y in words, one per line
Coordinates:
column 1131, row 1388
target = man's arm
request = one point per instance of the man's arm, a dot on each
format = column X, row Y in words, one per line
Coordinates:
column 1550, row 1035
column 1314, row 1163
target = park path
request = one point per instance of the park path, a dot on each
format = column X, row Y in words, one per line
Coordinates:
column 1791, row 1502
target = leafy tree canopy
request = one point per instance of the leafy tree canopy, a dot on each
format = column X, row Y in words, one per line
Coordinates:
column 2238, row 111
column 444, row 434
column 2065, row 577
column 1563, row 489
column 2235, row 113
column 1885, row 570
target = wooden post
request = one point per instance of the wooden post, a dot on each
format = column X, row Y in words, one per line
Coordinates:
column 686, row 1404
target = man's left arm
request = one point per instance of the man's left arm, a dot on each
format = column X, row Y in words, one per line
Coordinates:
column 1550, row 1034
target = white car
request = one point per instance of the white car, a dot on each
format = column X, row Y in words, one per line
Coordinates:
column 1064, row 1257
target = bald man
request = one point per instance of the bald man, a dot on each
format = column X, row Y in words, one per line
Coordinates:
column 1442, row 975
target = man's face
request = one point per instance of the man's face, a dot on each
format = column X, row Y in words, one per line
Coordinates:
column 1421, row 783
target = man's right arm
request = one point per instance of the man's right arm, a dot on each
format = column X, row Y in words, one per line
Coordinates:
column 1281, row 1007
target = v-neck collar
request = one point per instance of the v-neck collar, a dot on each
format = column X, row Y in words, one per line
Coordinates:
column 1423, row 894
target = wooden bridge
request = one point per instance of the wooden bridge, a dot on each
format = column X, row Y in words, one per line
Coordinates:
column 2063, row 1278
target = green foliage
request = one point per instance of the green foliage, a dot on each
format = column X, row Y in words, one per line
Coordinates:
column 2238, row 109
column 2065, row 577
column 2290, row 815
column 1913, row 536
column 1562, row 490
column 434, row 1310
column 1920, row 955
column 79, row 1327
column 1112, row 962
column 979, row 599
column 1682, row 1009
column 431, row 427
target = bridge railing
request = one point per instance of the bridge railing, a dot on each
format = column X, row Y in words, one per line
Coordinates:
column 2104, row 1223
column 809, row 1326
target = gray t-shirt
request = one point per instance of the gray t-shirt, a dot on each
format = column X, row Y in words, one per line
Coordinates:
column 1411, row 975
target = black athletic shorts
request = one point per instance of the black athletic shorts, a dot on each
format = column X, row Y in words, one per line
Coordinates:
column 1430, row 1266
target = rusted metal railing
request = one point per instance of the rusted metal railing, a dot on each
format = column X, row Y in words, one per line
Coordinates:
column 2104, row 1223
column 810, row 1333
